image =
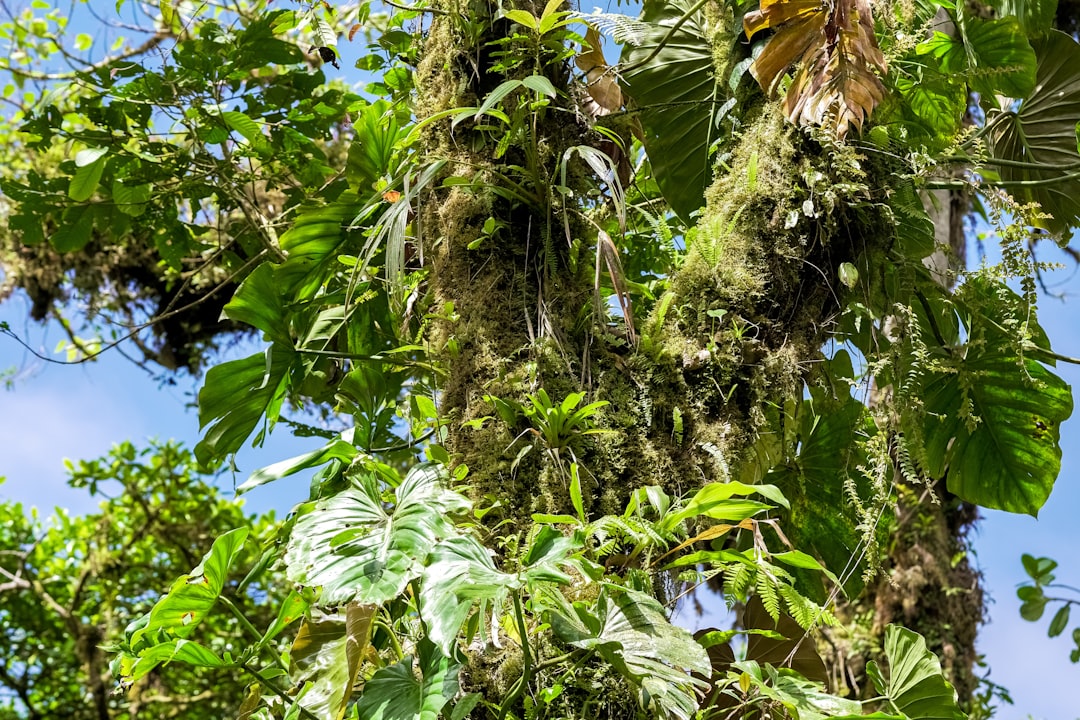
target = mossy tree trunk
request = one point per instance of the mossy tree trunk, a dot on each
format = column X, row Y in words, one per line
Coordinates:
column 752, row 306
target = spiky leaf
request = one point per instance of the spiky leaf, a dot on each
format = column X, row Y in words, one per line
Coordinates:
column 837, row 54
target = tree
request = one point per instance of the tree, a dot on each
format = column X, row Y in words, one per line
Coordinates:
column 72, row 584
column 651, row 323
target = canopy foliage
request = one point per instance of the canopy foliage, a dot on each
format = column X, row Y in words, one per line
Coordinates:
column 585, row 329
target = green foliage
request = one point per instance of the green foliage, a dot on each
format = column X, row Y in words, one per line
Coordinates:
column 1034, row 599
column 914, row 686
column 1041, row 134
column 1005, row 424
column 671, row 78
column 72, row 584
column 400, row 255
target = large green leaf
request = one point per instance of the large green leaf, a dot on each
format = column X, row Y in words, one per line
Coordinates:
column 328, row 652
column 1042, row 133
column 805, row 699
column 1000, row 59
column 675, row 91
column 235, row 397
column 179, row 612
column 459, row 574
column 1035, row 16
column 630, row 630
column 915, row 686
column 356, row 547
column 995, row 422
column 313, row 243
column 258, row 302
column 397, row 692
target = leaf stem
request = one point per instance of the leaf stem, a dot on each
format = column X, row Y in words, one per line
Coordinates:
column 526, row 661
column 278, row 691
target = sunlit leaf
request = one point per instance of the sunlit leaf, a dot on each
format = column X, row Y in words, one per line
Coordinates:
column 995, row 424
column 631, row 631
column 1041, row 133
column 192, row 595
column 327, row 652
column 356, row 547
column 399, row 692
column 915, row 685
column 676, row 91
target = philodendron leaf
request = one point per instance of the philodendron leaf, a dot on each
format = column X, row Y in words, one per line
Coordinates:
column 327, row 652
column 1042, row 133
column 995, row 423
column 357, row 547
column 459, row 574
column 189, row 600
column 674, row 89
column 1035, row 16
column 235, row 397
column 630, row 630
column 182, row 651
column 915, row 686
column 398, row 692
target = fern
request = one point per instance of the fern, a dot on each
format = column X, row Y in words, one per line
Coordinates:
column 806, row 612
column 770, row 598
column 738, row 579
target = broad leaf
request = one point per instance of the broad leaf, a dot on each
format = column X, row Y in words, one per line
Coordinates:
column 89, row 165
column 313, row 244
column 676, row 91
column 460, row 573
column 184, row 651
column 235, row 397
column 1035, row 16
column 328, row 652
column 915, row 685
column 191, row 596
column 1042, row 134
column 630, row 630
column 995, row 424
column 398, row 692
column 337, row 449
column 1000, row 59
column 258, row 302
column 357, row 547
